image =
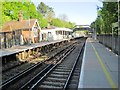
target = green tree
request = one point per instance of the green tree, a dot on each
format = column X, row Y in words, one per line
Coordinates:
column 50, row 14
column 46, row 11
column 10, row 11
column 42, row 8
column 107, row 15
column 61, row 23
column 44, row 14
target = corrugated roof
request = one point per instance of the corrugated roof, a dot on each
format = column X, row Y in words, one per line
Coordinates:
column 15, row 25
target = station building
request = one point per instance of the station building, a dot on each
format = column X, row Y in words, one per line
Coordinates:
column 19, row 32
column 23, row 32
column 55, row 33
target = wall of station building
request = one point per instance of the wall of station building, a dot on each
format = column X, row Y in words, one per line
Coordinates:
column 52, row 34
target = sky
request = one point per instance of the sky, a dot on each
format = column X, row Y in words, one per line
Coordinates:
column 81, row 12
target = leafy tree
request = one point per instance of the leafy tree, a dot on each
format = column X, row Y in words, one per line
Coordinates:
column 42, row 8
column 61, row 23
column 106, row 16
column 46, row 11
column 50, row 14
column 10, row 11
column 57, row 22
column 44, row 14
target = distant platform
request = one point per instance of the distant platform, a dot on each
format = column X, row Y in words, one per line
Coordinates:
column 17, row 49
column 99, row 67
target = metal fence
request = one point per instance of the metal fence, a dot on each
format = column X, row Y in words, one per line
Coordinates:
column 111, row 41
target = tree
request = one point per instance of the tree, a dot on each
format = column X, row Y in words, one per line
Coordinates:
column 42, row 8
column 44, row 14
column 107, row 15
column 46, row 11
column 10, row 11
column 50, row 14
column 60, row 23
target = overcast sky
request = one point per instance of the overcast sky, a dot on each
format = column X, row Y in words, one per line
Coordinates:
column 81, row 12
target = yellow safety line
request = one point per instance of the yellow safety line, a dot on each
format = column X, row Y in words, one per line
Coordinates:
column 111, row 82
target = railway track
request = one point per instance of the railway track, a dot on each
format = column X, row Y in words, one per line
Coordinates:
column 12, row 71
column 60, row 76
column 63, row 75
column 16, row 82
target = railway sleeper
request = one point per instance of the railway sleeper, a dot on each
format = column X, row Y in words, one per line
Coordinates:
column 76, row 71
column 64, row 77
column 67, row 67
column 75, row 77
column 54, row 75
column 56, row 79
column 64, row 65
column 76, row 74
column 52, row 87
column 56, row 72
column 74, row 81
column 53, row 83
column 62, row 70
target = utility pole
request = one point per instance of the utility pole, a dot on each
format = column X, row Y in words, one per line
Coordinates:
column 95, row 31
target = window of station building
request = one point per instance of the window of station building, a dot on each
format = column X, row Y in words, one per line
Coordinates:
column 49, row 33
column 60, row 32
column 57, row 32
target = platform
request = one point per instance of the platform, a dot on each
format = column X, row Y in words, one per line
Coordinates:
column 16, row 49
column 99, row 67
